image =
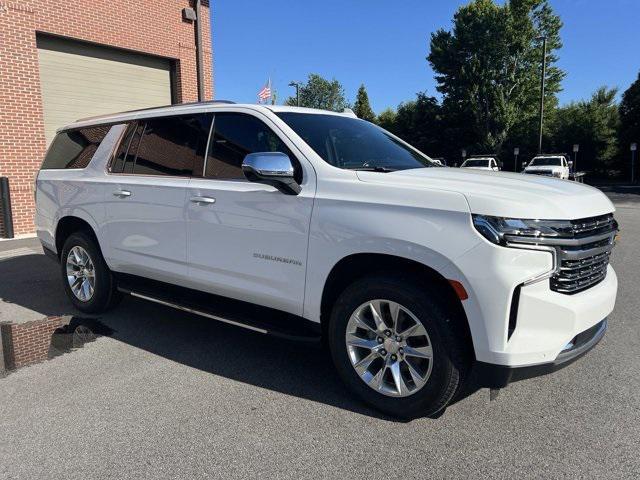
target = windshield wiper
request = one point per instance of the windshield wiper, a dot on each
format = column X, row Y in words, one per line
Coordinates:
column 374, row 169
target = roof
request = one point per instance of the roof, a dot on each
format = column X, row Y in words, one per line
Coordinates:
column 185, row 108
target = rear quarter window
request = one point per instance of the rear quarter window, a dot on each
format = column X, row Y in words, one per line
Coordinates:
column 74, row 148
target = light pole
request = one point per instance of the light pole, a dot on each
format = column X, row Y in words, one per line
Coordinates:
column 634, row 147
column 576, row 147
column 544, row 71
column 297, row 85
column 516, row 152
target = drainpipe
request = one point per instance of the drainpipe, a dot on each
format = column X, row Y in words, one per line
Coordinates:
column 199, row 62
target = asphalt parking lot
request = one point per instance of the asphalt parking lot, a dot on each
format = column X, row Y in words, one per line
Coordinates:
column 163, row 394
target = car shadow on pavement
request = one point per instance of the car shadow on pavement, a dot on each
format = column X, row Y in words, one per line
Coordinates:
column 264, row 361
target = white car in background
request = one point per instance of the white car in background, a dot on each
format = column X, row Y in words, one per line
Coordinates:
column 316, row 225
column 549, row 165
column 482, row 163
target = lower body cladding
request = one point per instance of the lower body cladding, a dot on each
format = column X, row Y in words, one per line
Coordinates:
column 523, row 328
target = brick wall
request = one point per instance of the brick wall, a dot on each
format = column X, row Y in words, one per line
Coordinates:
column 148, row 26
column 27, row 343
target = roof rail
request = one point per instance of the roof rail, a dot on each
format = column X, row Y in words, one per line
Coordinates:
column 204, row 102
column 349, row 113
column 173, row 105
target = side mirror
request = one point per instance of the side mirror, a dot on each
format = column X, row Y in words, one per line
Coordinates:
column 271, row 168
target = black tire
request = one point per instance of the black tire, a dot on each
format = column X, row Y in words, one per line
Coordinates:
column 105, row 295
column 450, row 347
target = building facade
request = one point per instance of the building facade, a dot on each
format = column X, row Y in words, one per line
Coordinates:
column 61, row 60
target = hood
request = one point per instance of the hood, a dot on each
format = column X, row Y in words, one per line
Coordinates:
column 504, row 194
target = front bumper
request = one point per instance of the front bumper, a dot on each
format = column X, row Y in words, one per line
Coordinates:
column 489, row 375
column 533, row 327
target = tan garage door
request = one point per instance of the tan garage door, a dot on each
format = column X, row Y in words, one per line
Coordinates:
column 80, row 80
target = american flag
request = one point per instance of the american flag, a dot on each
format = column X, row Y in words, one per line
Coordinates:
column 265, row 93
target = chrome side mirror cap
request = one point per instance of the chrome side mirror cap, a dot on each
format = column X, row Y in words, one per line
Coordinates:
column 271, row 168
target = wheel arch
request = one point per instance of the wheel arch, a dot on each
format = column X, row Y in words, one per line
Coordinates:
column 359, row 265
column 71, row 224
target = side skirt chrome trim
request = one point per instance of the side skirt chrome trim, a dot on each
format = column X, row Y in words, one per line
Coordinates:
column 194, row 311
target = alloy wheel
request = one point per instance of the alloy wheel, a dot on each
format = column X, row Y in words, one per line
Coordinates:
column 389, row 348
column 81, row 273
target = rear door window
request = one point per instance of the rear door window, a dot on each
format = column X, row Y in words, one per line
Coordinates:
column 165, row 146
column 121, row 154
column 173, row 146
column 74, row 148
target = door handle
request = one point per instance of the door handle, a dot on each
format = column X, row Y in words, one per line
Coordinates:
column 122, row 193
column 202, row 200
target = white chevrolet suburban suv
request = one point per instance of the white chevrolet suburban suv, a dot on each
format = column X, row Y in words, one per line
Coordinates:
column 319, row 226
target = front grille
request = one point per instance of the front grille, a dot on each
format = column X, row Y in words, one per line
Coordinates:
column 578, row 275
column 582, row 262
column 593, row 225
column 582, row 247
column 548, row 173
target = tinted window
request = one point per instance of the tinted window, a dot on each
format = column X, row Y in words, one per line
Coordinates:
column 234, row 136
column 74, row 148
column 546, row 162
column 353, row 143
column 130, row 156
column 173, row 146
column 164, row 146
column 121, row 154
column 476, row 163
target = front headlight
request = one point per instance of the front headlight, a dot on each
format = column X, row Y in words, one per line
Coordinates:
column 500, row 230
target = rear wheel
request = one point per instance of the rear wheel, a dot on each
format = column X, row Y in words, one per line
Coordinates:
column 395, row 344
column 88, row 282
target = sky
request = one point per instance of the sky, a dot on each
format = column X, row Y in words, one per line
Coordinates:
column 383, row 44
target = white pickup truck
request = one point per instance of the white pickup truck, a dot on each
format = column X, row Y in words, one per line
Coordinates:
column 315, row 225
column 549, row 165
column 489, row 164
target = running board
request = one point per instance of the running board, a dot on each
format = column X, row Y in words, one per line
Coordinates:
column 192, row 310
column 232, row 312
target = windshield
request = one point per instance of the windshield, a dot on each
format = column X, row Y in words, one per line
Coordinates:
column 476, row 163
column 354, row 144
column 546, row 162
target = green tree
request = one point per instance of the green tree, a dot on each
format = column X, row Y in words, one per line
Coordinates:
column 361, row 107
column 629, row 123
column 418, row 123
column 321, row 93
column 488, row 67
column 593, row 124
column 387, row 120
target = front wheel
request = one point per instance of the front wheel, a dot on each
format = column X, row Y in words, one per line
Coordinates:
column 88, row 282
column 395, row 344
